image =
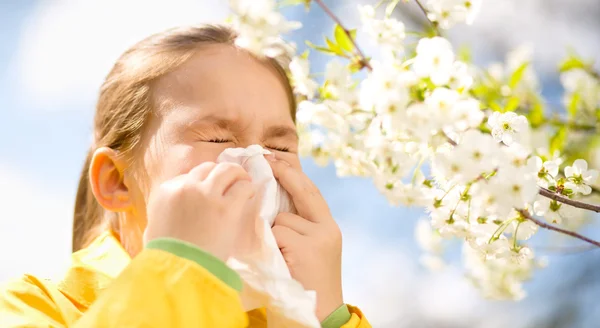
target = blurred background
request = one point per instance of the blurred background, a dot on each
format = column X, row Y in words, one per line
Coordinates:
column 54, row 55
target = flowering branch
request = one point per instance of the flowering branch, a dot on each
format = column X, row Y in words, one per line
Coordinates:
column 433, row 24
column 544, row 225
column 363, row 59
column 562, row 199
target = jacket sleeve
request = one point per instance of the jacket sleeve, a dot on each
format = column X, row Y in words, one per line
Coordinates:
column 357, row 319
column 169, row 284
column 346, row 316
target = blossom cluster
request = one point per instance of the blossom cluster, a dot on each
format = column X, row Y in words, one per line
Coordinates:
column 421, row 127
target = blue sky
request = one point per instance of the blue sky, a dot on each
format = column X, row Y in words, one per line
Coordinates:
column 53, row 56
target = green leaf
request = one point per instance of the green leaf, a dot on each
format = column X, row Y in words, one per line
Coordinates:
column 305, row 54
column 570, row 63
column 536, row 115
column 342, row 38
column 558, row 140
column 517, row 76
column 319, row 48
column 389, row 9
column 512, row 104
column 464, row 54
column 334, row 47
column 572, row 109
column 496, row 107
column 285, row 3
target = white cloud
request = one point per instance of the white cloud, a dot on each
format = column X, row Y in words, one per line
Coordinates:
column 68, row 46
column 35, row 226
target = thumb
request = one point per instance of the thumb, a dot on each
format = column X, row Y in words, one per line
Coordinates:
column 285, row 236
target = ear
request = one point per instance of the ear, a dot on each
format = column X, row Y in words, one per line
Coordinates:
column 108, row 180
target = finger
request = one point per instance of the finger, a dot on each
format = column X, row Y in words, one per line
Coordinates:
column 285, row 236
column 240, row 191
column 305, row 195
column 295, row 222
column 224, row 175
column 201, row 171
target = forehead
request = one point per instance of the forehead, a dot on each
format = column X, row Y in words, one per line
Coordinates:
column 223, row 81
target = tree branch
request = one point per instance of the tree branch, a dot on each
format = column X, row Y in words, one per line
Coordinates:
column 433, row 24
column 545, row 225
column 565, row 200
column 363, row 60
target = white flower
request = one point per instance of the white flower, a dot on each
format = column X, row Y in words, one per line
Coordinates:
column 467, row 114
column 524, row 230
column 579, row 81
column 435, row 59
column 388, row 33
column 512, row 188
column 328, row 114
column 441, row 103
column 260, row 27
column 551, row 210
column 460, row 79
column 385, row 90
column 547, row 171
column 579, row 177
column 338, row 82
column 506, row 125
column 450, row 12
column 303, row 84
column 524, row 254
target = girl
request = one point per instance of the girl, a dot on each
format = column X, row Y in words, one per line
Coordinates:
column 155, row 217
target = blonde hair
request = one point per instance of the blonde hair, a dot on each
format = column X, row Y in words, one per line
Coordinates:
column 125, row 104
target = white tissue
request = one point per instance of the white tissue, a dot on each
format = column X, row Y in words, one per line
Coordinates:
column 267, row 280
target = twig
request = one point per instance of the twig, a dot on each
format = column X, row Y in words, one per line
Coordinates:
column 562, row 199
column 363, row 59
column 572, row 125
column 544, row 225
column 433, row 24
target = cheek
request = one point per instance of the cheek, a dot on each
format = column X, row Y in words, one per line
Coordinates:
column 171, row 161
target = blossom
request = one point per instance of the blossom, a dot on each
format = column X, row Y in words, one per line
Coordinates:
column 260, row 27
column 435, row 59
column 388, row 32
column 338, row 83
column 467, row 114
column 505, row 126
column 385, row 90
column 449, row 12
column 303, row 84
column 580, row 82
column 579, row 177
column 551, row 210
column 547, row 171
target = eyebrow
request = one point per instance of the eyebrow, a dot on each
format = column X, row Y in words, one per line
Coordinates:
column 281, row 131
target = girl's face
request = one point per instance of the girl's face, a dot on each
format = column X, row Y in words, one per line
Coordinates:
column 221, row 98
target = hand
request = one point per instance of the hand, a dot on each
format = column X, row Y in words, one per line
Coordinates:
column 311, row 242
column 207, row 207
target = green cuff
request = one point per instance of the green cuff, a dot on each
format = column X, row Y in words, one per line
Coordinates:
column 193, row 253
column 337, row 318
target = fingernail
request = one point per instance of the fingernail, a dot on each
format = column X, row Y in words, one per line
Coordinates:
column 270, row 157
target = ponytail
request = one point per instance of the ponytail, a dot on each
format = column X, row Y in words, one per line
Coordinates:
column 88, row 213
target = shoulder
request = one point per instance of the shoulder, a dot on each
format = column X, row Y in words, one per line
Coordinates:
column 26, row 289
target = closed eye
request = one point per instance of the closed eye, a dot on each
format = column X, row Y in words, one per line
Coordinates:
column 219, row 140
column 282, row 149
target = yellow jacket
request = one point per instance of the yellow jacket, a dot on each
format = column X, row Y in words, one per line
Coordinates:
column 105, row 288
